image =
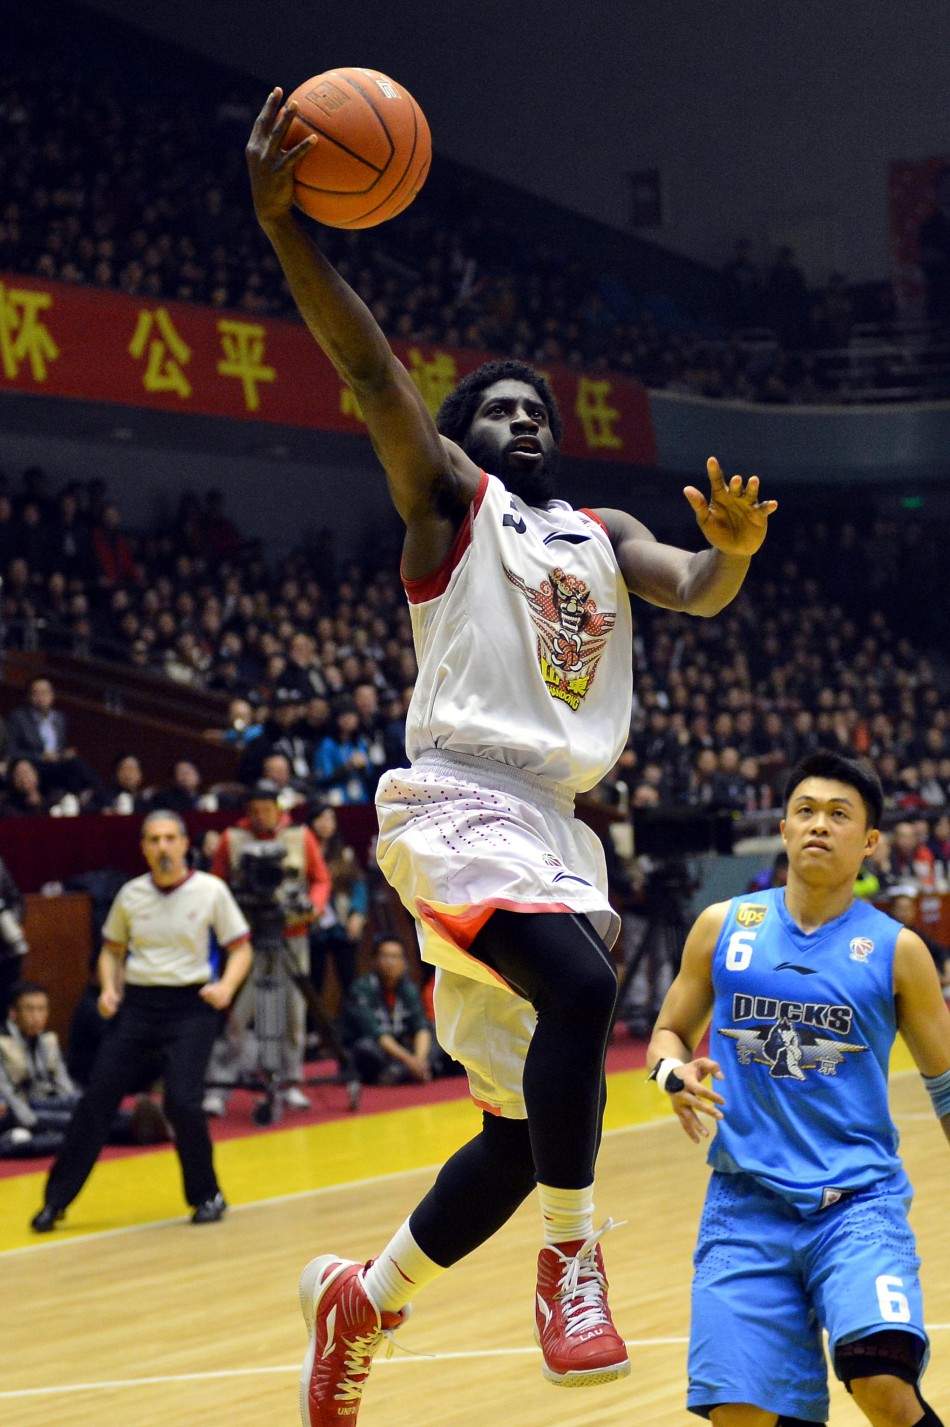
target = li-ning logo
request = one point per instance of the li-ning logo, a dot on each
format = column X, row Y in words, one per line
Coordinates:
column 861, row 948
column 751, row 914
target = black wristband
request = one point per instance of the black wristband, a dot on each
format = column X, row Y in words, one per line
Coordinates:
column 674, row 1084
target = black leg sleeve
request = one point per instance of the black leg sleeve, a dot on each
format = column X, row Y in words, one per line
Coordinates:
column 476, row 1192
column 556, row 961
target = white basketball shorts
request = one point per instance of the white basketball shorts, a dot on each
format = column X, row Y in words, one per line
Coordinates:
column 460, row 836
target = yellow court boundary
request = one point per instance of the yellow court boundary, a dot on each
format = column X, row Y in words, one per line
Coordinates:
column 123, row 1194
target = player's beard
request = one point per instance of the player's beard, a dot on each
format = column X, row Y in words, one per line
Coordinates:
column 535, row 485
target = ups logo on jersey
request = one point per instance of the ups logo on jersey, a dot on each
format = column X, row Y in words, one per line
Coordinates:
column 751, row 914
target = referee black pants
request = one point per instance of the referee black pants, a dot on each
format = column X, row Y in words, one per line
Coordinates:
column 165, row 1031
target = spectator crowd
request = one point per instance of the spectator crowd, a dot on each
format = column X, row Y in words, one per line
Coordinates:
column 313, row 659
column 107, row 188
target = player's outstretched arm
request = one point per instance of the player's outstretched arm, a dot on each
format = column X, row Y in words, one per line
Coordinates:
column 733, row 521
column 683, row 1017
column 423, row 480
column 923, row 1018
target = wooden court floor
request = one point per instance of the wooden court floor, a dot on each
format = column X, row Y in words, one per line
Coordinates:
column 131, row 1315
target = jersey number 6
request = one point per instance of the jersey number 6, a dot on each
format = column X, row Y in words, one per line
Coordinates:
column 739, row 950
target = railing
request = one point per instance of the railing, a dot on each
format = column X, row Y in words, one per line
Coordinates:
column 882, row 362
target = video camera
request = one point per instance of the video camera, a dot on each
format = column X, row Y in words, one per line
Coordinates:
column 266, row 890
column 667, row 836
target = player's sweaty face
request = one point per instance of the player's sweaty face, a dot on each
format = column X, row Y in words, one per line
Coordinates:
column 510, row 436
column 825, row 829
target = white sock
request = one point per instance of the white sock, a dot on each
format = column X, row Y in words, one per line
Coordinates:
column 401, row 1270
column 568, row 1214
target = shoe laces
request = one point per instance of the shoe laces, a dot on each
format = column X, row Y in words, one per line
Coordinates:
column 360, row 1351
column 583, row 1287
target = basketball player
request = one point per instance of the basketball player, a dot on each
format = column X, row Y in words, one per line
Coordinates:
column 805, row 1225
column 522, row 628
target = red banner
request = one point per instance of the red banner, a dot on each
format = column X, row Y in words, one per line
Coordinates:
column 57, row 340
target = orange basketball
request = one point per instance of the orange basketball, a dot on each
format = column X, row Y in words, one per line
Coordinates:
column 373, row 153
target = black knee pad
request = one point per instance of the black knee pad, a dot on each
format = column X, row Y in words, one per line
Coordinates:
column 890, row 1353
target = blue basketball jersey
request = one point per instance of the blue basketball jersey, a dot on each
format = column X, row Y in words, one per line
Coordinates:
column 802, row 1027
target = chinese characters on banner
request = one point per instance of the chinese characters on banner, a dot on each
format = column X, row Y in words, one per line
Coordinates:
column 58, row 340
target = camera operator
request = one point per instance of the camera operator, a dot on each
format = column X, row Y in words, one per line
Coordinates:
column 281, row 883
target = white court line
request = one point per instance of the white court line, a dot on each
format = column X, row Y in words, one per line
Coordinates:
column 400, row 1359
column 63, row 1243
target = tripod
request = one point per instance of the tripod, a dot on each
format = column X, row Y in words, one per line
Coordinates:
column 660, row 947
column 273, row 976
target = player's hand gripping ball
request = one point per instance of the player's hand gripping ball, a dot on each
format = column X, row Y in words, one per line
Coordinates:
column 372, row 153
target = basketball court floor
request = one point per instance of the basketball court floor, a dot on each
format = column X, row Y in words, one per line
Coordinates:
column 130, row 1314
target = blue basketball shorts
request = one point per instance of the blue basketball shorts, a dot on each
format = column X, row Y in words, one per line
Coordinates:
column 768, row 1280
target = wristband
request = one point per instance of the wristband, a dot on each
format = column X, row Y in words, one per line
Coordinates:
column 938, row 1087
column 664, row 1073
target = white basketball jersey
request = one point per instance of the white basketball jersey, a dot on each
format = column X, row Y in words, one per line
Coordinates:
column 523, row 639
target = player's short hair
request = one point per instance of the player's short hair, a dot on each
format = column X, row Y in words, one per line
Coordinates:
column 454, row 416
column 825, row 763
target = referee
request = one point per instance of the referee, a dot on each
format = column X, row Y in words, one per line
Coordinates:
column 165, row 1005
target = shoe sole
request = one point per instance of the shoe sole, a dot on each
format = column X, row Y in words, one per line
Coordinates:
column 591, row 1377
column 312, row 1289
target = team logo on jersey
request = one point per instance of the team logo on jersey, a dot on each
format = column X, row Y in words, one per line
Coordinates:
column 791, row 1037
column 550, row 860
column 861, row 948
column 572, row 633
column 751, row 914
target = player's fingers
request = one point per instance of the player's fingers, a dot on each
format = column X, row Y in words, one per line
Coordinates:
column 766, row 506
column 292, row 157
column 714, row 471
column 265, row 118
column 696, row 499
column 693, row 1126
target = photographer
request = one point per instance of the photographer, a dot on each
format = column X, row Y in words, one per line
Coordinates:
column 281, row 883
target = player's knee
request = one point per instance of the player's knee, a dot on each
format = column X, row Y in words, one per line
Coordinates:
column 888, row 1401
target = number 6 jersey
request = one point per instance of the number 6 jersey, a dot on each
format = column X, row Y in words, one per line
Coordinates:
column 802, row 1027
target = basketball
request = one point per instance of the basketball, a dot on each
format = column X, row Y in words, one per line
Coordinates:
column 373, row 152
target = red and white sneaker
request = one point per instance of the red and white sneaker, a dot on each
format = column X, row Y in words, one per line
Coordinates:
column 573, row 1327
column 346, row 1330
